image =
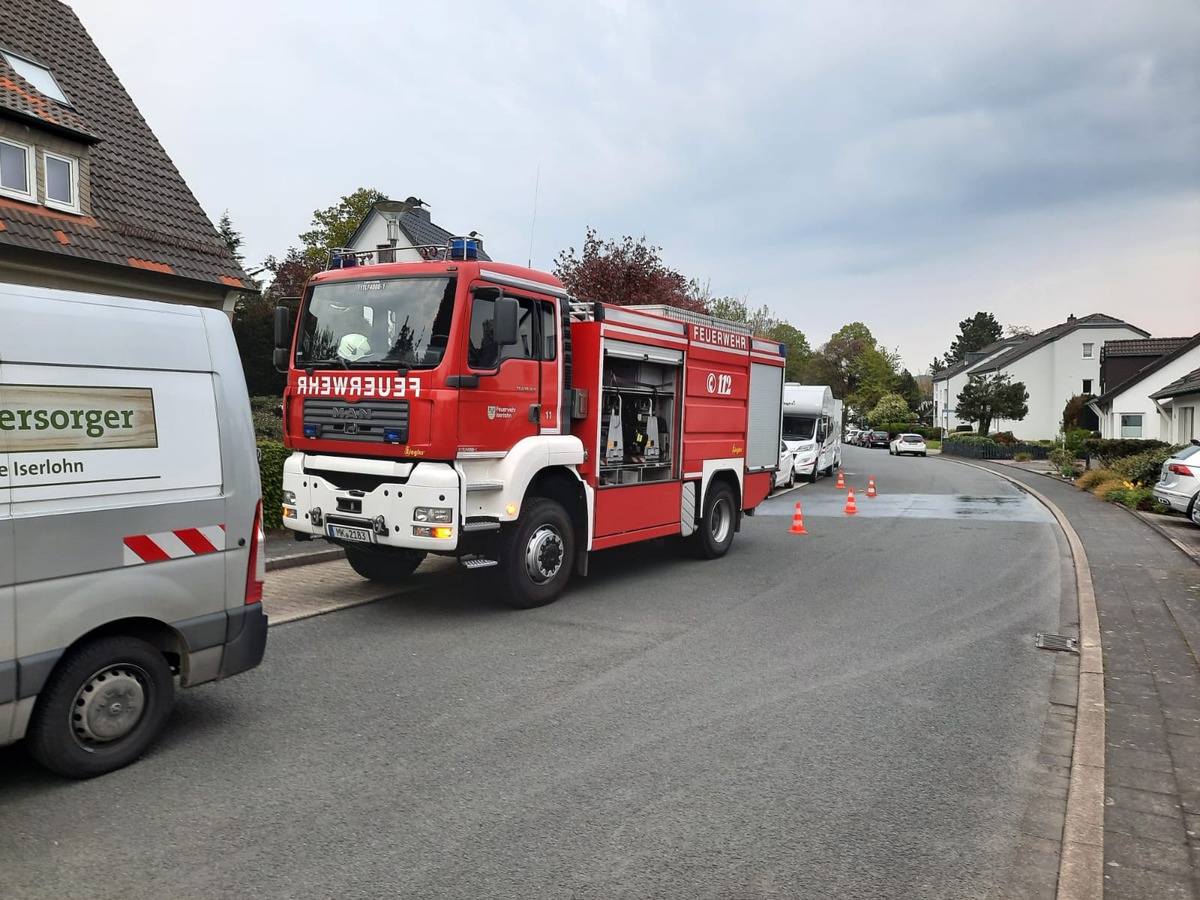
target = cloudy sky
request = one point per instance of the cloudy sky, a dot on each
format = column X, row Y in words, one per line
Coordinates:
column 899, row 164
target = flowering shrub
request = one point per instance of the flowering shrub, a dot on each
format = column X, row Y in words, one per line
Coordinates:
column 1135, row 496
column 1146, row 466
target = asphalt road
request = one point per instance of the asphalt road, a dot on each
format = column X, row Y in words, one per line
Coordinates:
column 851, row 713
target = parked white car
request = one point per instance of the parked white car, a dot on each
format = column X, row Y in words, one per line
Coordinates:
column 1179, row 480
column 787, row 462
column 907, row 443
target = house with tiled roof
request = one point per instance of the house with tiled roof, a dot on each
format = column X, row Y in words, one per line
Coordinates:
column 1152, row 403
column 89, row 199
column 409, row 230
column 1055, row 364
column 1121, row 359
column 1179, row 402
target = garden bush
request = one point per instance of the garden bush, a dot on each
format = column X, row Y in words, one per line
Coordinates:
column 1021, row 457
column 1089, row 480
column 1004, row 437
column 1076, row 441
column 975, row 439
column 1140, row 498
column 1063, row 460
column 1108, row 450
column 267, row 426
column 272, row 455
column 1144, row 467
column 1105, row 488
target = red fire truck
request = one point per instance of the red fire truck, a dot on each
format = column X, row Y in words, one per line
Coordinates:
column 471, row 409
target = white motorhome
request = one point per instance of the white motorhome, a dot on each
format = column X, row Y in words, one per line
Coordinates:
column 812, row 429
column 130, row 520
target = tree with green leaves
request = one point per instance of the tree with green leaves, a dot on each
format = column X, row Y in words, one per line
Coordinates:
column 974, row 334
column 232, row 238
column 335, row 225
column 988, row 397
column 890, row 408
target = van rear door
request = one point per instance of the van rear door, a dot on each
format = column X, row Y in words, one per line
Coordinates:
column 8, row 615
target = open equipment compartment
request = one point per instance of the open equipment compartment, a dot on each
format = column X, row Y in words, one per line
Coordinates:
column 639, row 421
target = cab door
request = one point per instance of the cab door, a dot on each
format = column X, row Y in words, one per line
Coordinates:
column 8, row 565
column 501, row 400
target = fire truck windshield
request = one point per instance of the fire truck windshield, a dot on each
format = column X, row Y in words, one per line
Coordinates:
column 380, row 323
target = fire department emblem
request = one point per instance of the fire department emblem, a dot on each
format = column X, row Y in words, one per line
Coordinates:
column 491, row 412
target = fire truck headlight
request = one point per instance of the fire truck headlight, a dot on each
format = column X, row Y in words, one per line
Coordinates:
column 289, row 498
column 433, row 514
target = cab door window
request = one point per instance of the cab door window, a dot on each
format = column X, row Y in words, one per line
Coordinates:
column 531, row 337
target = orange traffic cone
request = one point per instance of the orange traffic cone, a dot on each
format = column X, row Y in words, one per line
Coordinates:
column 841, row 481
column 871, row 492
column 850, row 509
column 797, row 522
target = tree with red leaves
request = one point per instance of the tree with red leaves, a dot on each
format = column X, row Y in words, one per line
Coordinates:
column 624, row 273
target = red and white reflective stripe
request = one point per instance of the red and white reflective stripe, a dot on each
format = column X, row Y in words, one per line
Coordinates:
column 148, row 548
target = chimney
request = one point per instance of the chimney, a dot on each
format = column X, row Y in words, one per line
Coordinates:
column 1071, row 319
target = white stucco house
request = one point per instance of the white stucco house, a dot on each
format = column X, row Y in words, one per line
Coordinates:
column 399, row 240
column 1055, row 365
column 1179, row 401
column 1153, row 403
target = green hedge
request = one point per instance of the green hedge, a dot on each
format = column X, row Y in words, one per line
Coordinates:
column 272, row 455
column 267, row 425
column 1145, row 467
column 1109, row 450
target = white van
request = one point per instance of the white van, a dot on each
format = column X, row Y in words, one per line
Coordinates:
column 130, row 520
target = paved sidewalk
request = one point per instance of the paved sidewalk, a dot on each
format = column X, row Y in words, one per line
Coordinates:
column 1147, row 587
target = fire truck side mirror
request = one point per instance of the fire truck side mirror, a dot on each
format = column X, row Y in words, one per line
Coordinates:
column 507, row 311
column 283, row 339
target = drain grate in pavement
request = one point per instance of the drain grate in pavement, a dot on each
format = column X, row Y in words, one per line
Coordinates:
column 1057, row 642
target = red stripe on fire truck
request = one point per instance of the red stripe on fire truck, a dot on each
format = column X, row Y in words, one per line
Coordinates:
column 148, row 548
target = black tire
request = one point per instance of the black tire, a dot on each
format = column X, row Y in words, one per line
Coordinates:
column 537, row 555
column 923, row 454
column 714, row 534
column 101, row 708
column 391, row 567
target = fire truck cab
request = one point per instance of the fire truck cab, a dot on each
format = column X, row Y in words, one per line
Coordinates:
column 470, row 408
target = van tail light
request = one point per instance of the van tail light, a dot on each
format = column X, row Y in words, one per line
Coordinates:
column 256, row 570
column 1179, row 469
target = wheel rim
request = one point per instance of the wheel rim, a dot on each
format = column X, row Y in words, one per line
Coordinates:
column 719, row 521
column 544, row 554
column 109, row 705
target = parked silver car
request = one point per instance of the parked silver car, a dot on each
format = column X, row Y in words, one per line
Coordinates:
column 1179, row 481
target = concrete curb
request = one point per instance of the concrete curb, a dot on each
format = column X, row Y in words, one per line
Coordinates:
column 1081, row 865
column 305, row 559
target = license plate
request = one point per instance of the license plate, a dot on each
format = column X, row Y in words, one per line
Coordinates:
column 348, row 533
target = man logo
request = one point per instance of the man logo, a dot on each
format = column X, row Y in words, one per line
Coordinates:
column 491, row 412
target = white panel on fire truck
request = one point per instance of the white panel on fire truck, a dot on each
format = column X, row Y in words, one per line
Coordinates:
column 765, row 425
column 643, row 352
column 523, row 284
column 630, row 315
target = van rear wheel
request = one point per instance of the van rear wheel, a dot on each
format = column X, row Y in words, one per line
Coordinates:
column 101, row 708
column 389, row 568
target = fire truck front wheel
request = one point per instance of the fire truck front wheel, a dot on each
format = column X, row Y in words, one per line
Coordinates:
column 715, row 534
column 389, row 568
column 538, row 555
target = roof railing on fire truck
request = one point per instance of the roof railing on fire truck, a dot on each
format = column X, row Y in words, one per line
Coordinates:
column 456, row 248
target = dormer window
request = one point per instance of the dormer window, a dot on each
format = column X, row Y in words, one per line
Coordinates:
column 37, row 75
column 62, row 182
column 16, row 171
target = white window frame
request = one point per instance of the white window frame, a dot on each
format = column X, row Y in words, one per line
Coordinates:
column 30, row 173
column 74, row 166
column 1089, row 351
column 1121, row 425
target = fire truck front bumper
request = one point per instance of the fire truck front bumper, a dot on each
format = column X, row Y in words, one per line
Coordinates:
column 419, row 512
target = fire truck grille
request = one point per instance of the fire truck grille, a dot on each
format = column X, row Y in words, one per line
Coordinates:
column 369, row 421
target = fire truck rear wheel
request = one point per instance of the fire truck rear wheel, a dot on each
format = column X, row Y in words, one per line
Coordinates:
column 538, row 555
column 389, row 568
column 715, row 534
